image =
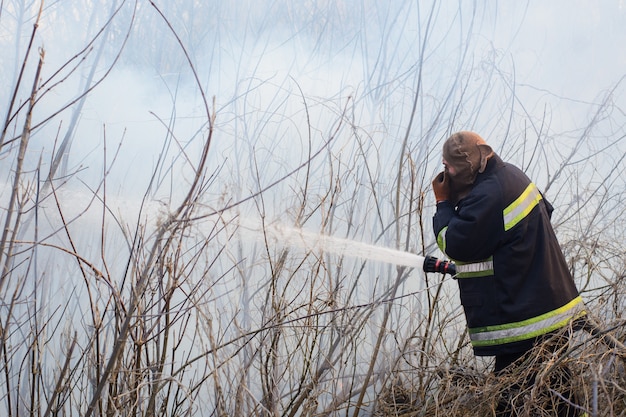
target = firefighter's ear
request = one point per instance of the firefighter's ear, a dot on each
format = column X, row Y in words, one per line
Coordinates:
column 485, row 153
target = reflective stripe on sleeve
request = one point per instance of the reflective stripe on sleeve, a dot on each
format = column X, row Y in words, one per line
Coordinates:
column 474, row 269
column 517, row 210
column 528, row 329
column 441, row 239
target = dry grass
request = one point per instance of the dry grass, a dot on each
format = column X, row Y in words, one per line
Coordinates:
column 586, row 370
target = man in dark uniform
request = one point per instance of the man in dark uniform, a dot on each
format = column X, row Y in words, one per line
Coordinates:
column 514, row 283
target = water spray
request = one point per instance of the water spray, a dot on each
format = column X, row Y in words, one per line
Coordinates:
column 295, row 237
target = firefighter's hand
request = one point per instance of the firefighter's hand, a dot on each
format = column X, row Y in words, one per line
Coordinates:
column 441, row 187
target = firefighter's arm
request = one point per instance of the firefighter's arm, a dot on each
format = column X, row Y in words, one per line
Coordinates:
column 473, row 231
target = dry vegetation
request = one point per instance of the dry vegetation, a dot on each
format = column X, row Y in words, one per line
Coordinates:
column 182, row 311
column 588, row 371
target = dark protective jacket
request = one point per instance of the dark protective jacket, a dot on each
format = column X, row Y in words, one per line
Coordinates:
column 514, row 282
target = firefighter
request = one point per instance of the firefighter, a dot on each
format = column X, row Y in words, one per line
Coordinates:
column 492, row 220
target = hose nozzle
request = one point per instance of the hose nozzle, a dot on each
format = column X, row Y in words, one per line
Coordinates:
column 432, row 264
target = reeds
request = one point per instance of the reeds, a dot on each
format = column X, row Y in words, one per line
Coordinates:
column 176, row 311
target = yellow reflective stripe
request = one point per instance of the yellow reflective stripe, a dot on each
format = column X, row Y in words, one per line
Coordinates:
column 527, row 329
column 520, row 208
column 441, row 239
column 474, row 269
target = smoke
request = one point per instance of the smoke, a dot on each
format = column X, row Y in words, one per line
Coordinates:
column 287, row 81
column 328, row 115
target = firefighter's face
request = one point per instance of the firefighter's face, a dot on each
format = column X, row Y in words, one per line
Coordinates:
column 449, row 169
column 459, row 175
